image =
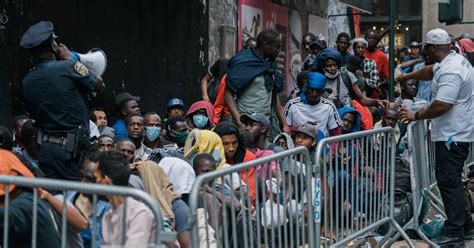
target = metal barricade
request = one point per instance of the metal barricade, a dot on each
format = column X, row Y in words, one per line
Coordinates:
column 421, row 159
column 87, row 188
column 228, row 209
column 356, row 178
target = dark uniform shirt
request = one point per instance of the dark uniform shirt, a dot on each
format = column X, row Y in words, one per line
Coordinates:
column 52, row 92
column 20, row 222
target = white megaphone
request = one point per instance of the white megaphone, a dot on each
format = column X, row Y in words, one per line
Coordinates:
column 95, row 60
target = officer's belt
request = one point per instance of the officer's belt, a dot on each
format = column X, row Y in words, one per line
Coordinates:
column 54, row 139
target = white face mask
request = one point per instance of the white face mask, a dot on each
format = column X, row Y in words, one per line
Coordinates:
column 330, row 76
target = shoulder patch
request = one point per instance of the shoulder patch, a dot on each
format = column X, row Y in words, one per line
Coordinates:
column 81, row 68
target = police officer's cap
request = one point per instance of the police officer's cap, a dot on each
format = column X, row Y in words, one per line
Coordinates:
column 37, row 34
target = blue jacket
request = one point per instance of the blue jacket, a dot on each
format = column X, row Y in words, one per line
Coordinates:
column 246, row 65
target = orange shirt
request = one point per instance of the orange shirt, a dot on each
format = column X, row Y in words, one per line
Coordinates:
column 366, row 120
column 248, row 175
column 220, row 108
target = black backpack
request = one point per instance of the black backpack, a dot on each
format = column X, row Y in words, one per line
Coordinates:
column 344, row 77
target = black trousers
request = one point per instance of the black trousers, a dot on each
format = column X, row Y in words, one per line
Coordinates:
column 449, row 167
column 55, row 163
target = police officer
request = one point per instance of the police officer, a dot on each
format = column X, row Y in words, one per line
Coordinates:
column 53, row 91
column 452, row 131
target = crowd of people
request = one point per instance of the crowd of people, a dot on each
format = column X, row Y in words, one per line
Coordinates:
column 243, row 115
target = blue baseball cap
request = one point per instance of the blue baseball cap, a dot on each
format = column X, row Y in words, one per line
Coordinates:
column 37, row 34
column 175, row 102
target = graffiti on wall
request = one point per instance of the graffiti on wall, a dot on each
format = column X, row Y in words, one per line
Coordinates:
column 294, row 47
column 257, row 15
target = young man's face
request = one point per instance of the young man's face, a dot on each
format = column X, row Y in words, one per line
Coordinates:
column 348, row 121
column 205, row 166
column 359, row 49
column 314, row 95
column 175, row 111
column 230, row 143
column 331, row 66
column 342, row 44
column 302, row 139
column 101, row 118
column 390, row 118
column 135, row 127
column 371, row 38
column 131, row 107
column 255, row 128
column 273, row 49
column 105, row 144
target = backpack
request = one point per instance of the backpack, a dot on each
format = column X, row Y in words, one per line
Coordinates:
column 346, row 80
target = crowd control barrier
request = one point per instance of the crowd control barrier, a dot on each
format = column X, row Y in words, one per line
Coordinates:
column 88, row 188
column 356, row 193
column 275, row 210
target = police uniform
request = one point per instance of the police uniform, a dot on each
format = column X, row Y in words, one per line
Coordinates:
column 52, row 92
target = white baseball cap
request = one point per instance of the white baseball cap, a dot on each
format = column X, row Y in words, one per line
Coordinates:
column 437, row 36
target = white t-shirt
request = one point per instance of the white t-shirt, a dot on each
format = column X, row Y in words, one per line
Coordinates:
column 453, row 83
column 324, row 114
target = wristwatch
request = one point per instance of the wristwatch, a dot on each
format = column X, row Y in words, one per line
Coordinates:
column 417, row 113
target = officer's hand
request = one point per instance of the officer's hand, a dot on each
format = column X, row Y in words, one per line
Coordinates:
column 64, row 53
column 99, row 84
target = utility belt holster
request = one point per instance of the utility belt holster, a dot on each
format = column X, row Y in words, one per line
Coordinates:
column 75, row 141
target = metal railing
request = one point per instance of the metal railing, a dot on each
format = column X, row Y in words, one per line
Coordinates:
column 88, row 188
column 274, row 210
column 356, row 194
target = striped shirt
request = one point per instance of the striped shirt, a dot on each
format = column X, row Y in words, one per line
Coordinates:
column 323, row 114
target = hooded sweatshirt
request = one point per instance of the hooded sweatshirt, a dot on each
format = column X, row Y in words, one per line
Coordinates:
column 202, row 105
column 345, row 110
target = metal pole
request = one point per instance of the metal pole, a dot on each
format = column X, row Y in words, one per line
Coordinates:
column 392, row 48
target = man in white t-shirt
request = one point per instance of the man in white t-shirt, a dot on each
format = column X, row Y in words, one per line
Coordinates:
column 312, row 108
column 451, row 113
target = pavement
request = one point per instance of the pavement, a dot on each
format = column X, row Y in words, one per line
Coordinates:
column 423, row 244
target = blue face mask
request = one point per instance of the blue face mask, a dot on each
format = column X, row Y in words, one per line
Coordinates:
column 152, row 133
column 200, row 121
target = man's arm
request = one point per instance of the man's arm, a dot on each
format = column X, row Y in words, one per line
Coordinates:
column 281, row 117
column 436, row 109
column 424, row 74
column 204, row 82
column 232, row 105
column 366, row 101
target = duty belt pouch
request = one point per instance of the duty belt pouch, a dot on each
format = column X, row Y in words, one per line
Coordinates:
column 71, row 142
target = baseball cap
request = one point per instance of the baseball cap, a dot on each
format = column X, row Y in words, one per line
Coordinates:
column 309, row 130
column 320, row 41
column 437, row 36
column 175, row 102
column 125, row 96
column 257, row 117
column 37, row 34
